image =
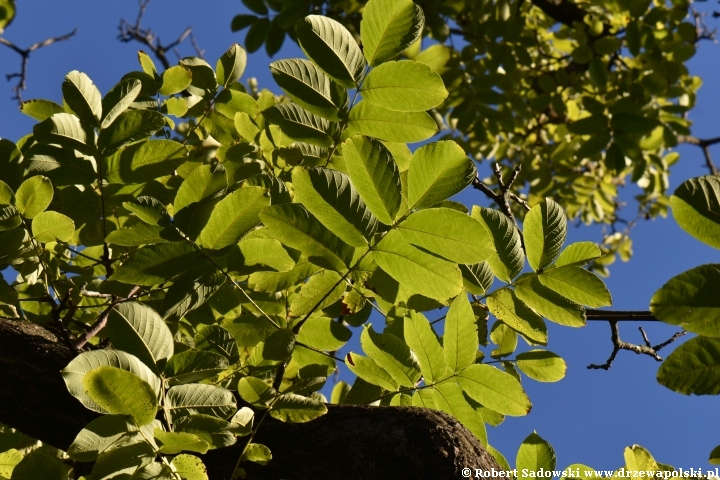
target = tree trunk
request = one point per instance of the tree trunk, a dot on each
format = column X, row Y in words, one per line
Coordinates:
column 349, row 442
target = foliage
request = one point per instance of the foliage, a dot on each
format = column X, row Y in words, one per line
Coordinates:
column 585, row 98
column 226, row 242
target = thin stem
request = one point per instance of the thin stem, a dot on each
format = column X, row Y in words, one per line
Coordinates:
column 250, row 439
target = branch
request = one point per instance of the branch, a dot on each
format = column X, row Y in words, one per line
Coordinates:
column 704, row 144
column 134, row 32
column 25, row 58
column 102, row 320
column 352, row 442
column 646, row 349
column 502, row 198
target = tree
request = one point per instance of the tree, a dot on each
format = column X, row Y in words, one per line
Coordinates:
column 190, row 252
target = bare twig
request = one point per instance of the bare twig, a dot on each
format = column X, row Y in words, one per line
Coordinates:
column 135, row 32
column 704, row 144
column 25, row 58
column 647, row 349
column 620, row 315
column 502, row 198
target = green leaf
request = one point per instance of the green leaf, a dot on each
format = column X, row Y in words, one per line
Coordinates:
column 449, row 234
column 147, row 64
column 122, row 392
column 63, row 166
column 541, row 365
column 190, row 467
column 83, row 97
column 34, row 196
column 690, row 300
column 505, row 338
column 293, row 408
column 40, row 109
column 199, row 398
column 375, row 175
column 119, row 99
column 505, row 306
column 510, row 258
column 309, row 87
column 299, row 124
column 189, row 292
column 125, row 460
column 138, row 235
column 322, row 290
column 696, row 208
column 438, row 171
column 332, row 48
column 392, row 355
column 578, row 285
column 65, row 129
column 175, row 80
column 578, row 254
column 422, row 340
column 324, row 333
column 41, row 466
column 258, row 254
column 50, row 226
column 203, row 76
column 9, row 217
column 149, row 210
column 233, row 216
column 214, row 431
column 293, row 226
column 549, row 304
column 7, row 14
column 420, row 272
column 130, row 126
column 333, row 200
column 75, row 371
column 477, row 278
column 202, row 182
column 139, row 330
column 157, row 264
column 388, row 28
column 534, row 455
column 216, row 339
column 257, row 453
column 378, row 122
column 8, row 460
column 172, row 443
column 193, row 366
column 404, row 86
column 255, row 392
column 494, row 389
column 103, row 433
column 368, row 370
column 231, row 102
column 448, row 397
column 545, row 229
column 231, row 65
column 144, row 161
column 460, row 337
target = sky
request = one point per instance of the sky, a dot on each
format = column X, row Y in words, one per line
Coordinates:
column 591, row 415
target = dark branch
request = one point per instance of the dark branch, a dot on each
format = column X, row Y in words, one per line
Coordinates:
column 620, row 315
column 25, row 59
column 704, row 144
column 134, row 32
column 647, row 349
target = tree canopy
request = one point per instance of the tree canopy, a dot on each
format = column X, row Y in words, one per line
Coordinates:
column 202, row 248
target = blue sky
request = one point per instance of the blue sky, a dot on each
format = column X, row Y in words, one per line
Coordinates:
column 591, row 415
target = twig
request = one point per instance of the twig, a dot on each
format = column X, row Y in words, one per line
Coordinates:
column 130, row 32
column 87, row 293
column 502, row 198
column 620, row 315
column 646, row 349
column 25, row 58
column 102, row 320
column 704, row 144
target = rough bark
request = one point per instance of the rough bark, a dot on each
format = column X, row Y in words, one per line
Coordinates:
column 349, row 442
